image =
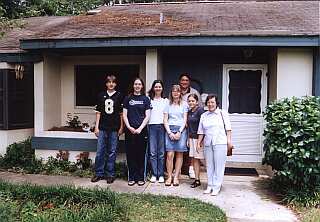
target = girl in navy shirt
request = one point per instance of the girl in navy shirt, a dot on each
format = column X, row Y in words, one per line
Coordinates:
column 136, row 114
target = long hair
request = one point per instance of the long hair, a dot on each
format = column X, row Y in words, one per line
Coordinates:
column 175, row 88
column 151, row 92
column 131, row 90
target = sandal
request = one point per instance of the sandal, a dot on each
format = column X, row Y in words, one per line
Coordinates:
column 195, row 184
column 168, row 182
column 176, row 182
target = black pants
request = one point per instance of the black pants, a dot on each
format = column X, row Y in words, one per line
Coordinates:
column 136, row 145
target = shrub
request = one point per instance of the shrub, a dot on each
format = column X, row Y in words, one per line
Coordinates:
column 21, row 155
column 292, row 143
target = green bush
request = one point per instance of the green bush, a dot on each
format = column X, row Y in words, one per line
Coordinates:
column 21, row 155
column 292, row 143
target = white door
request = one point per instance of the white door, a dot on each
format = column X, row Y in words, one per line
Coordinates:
column 245, row 97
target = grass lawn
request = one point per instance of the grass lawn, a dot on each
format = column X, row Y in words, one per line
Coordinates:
column 61, row 203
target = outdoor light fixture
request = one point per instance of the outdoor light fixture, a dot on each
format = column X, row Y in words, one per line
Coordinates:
column 19, row 69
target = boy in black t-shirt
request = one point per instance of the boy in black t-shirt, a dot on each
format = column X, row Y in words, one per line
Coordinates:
column 109, row 126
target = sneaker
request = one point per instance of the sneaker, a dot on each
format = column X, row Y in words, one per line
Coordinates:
column 141, row 183
column 161, row 179
column 153, row 179
column 215, row 192
column 131, row 183
column 208, row 190
column 96, row 178
column 110, row 180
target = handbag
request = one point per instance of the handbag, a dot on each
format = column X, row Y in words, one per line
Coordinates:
column 229, row 151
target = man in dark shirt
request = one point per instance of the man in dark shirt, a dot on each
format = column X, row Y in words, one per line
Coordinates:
column 109, row 126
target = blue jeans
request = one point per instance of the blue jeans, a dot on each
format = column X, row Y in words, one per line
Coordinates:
column 156, row 148
column 106, row 153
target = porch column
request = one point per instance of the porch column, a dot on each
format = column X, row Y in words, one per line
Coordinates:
column 38, row 98
column 294, row 72
column 153, row 67
column 316, row 72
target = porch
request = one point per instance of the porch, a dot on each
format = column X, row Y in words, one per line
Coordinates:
column 245, row 78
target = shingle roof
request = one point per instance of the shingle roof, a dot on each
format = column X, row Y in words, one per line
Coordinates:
column 246, row 18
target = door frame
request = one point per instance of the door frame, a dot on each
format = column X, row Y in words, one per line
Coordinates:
column 242, row 158
column 244, row 67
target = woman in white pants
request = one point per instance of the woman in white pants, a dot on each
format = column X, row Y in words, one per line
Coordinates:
column 214, row 135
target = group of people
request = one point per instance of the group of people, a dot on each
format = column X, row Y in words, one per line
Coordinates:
column 168, row 127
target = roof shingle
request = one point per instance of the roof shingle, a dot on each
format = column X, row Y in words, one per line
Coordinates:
column 247, row 18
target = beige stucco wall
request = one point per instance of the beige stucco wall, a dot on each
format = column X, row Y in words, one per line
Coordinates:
column 272, row 74
column 294, row 72
column 8, row 137
column 52, row 92
column 86, row 114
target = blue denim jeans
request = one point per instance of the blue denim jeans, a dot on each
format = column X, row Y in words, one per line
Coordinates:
column 156, row 149
column 106, row 153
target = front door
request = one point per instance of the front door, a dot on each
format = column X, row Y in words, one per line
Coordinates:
column 245, row 97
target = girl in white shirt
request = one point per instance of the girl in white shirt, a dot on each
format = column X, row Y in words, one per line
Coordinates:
column 214, row 133
column 157, row 131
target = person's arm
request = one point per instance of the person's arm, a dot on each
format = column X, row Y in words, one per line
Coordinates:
column 166, row 125
column 227, row 127
column 126, row 121
column 200, row 135
column 178, row 134
column 96, row 128
column 144, row 122
column 120, row 131
column 229, row 143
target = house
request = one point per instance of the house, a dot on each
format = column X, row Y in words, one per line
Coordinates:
column 249, row 53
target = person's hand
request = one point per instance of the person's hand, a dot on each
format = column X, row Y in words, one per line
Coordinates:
column 120, row 131
column 199, row 147
column 229, row 145
column 132, row 130
column 171, row 136
column 177, row 135
column 96, row 131
column 138, row 131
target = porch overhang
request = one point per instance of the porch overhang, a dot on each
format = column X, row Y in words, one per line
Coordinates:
column 20, row 57
column 286, row 41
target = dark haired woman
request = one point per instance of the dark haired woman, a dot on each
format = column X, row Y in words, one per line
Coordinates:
column 215, row 134
column 156, row 131
column 194, row 114
column 136, row 114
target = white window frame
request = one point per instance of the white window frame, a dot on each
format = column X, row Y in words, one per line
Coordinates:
column 245, row 67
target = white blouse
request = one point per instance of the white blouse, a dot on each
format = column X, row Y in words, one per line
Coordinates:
column 211, row 126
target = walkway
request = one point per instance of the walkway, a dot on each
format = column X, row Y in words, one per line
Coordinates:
column 241, row 197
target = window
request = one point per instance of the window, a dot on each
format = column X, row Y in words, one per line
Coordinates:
column 90, row 80
column 245, row 91
column 16, row 99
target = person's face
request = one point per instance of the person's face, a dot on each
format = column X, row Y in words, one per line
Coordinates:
column 192, row 102
column 175, row 94
column 212, row 104
column 111, row 85
column 137, row 86
column 158, row 88
column 184, row 82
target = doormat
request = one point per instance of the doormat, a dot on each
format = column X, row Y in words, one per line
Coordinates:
column 240, row 171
